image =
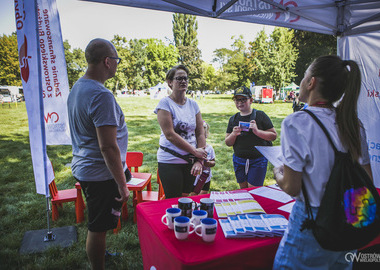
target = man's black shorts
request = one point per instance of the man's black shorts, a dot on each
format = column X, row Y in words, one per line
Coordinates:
column 103, row 209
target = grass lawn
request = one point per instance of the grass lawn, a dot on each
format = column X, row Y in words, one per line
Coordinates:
column 22, row 209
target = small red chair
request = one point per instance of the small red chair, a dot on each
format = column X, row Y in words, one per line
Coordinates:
column 151, row 196
column 134, row 160
column 58, row 197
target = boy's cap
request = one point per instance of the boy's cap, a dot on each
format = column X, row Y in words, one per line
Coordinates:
column 243, row 91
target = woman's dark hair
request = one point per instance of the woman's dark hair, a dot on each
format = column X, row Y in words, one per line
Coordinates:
column 170, row 74
column 339, row 77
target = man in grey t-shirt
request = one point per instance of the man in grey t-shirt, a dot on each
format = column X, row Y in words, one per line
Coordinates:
column 99, row 141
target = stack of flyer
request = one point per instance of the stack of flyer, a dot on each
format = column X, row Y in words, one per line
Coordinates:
column 231, row 203
column 250, row 225
column 240, row 215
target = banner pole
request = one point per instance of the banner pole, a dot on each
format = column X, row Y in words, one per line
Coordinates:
column 50, row 236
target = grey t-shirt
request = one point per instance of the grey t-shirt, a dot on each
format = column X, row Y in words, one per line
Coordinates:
column 184, row 123
column 91, row 105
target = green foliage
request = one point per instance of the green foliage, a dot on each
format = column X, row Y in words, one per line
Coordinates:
column 185, row 39
column 272, row 61
column 310, row 46
column 282, row 58
column 9, row 63
column 21, row 209
column 75, row 62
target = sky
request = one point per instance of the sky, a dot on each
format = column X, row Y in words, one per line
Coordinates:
column 82, row 21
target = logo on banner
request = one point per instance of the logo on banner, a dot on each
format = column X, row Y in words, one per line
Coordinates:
column 23, row 59
column 287, row 14
column 53, row 117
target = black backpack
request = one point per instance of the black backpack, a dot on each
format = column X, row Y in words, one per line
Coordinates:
column 348, row 217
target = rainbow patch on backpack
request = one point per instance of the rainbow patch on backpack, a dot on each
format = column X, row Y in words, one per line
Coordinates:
column 359, row 207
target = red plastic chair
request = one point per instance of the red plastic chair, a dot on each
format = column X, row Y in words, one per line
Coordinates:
column 134, row 160
column 58, row 197
column 151, row 196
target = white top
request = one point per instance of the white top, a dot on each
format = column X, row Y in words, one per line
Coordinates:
column 210, row 156
column 184, row 124
column 306, row 149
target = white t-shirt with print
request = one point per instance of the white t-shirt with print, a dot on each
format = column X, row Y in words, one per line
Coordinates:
column 306, row 149
column 184, row 124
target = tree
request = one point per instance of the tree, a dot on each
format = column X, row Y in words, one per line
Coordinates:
column 258, row 54
column 234, row 63
column 75, row 62
column 185, row 39
column 9, row 63
column 282, row 57
column 159, row 59
column 120, row 80
column 311, row 45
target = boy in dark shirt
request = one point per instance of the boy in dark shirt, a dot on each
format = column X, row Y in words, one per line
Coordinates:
column 245, row 130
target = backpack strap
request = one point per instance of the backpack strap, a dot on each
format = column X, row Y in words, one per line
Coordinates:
column 252, row 116
column 309, row 222
column 323, row 128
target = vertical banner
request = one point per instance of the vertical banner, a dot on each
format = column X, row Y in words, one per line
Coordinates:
column 363, row 49
column 55, row 85
column 29, row 58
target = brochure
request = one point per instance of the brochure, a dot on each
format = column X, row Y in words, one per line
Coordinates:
column 265, row 225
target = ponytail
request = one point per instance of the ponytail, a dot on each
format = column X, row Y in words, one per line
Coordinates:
column 341, row 78
column 346, row 111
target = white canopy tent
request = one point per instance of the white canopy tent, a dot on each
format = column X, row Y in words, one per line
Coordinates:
column 355, row 22
column 159, row 91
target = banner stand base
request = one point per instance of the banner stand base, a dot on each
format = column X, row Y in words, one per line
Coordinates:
column 38, row 241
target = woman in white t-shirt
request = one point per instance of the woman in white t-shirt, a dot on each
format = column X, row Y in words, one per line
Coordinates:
column 308, row 156
column 182, row 141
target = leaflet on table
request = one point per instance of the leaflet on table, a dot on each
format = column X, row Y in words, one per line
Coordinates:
column 226, row 195
column 231, row 208
column 287, row 207
column 249, row 225
column 135, row 181
column 273, row 194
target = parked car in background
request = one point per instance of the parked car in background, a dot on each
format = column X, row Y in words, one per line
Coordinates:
column 6, row 99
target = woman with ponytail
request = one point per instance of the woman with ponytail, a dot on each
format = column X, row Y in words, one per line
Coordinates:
column 327, row 81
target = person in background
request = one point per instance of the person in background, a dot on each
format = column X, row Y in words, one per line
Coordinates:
column 247, row 129
column 297, row 105
column 182, row 141
column 99, row 140
column 309, row 162
column 202, row 181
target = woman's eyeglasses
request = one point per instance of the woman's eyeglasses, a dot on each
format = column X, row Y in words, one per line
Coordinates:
column 180, row 79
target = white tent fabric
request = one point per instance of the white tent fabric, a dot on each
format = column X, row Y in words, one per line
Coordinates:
column 364, row 49
column 159, row 91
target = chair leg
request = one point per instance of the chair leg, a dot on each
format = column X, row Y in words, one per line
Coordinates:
column 79, row 212
column 54, row 212
column 124, row 211
column 118, row 227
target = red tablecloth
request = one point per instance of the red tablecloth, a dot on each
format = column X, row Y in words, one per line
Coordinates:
column 162, row 250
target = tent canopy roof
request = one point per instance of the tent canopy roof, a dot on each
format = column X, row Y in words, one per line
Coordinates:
column 334, row 17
